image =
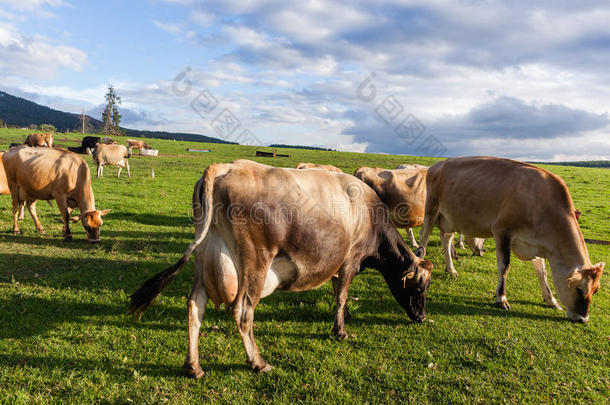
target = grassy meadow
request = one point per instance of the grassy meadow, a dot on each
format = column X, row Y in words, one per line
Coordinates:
column 65, row 335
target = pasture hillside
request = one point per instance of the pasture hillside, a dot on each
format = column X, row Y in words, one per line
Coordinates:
column 65, row 336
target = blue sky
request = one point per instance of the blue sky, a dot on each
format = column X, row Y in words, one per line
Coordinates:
column 521, row 79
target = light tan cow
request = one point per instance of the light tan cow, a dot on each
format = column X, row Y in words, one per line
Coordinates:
column 526, row 209
column 4, row 190
column 52, row 174
column 403, row 191
column 109, row 141
column 329, row 168
column 40, row 139
column 136, row 144
column 260, row 228
column 114, row 155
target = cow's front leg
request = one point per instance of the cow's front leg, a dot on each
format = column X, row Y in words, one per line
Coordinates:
column 31, row 204
column 99, row 170
column 547, row 294
column 461, row 241
column 346, row 275
column 196, row 309
column 447, row 245
column 412, row 238
column 127, row 167
column 119, row 172
column 62, row 204
column 503, row 246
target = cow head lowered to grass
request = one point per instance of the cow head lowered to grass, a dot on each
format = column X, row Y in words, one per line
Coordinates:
column 260, row 228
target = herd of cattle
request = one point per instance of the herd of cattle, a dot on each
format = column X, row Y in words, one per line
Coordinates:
column 260, row 228
column 35, row 170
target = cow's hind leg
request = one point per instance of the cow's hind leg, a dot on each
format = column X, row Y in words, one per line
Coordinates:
column 22, row 211
column 248, row 296
column 547, row 294
column 336, row 287
column 503, row 247
column 31, row 204
column 196, row 309
column 119, row 172
column 128, row 171
column 461, row 241
column 17, row 209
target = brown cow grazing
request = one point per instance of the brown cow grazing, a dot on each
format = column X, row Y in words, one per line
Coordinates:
column 136, row 144
column 526, row 209
column 260, row 228
column 114, row 155
column 329, row 168
column 403, row 191
column 52, row 174
column 39, row 139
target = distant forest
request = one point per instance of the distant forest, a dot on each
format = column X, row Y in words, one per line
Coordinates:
column 585, row 163
column 280, row 145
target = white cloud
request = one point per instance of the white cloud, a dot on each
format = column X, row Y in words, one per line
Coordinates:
column 35, row 56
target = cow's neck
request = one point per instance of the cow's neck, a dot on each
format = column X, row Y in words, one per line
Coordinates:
column 84, row 198
column 393, row 254
column 570, row 251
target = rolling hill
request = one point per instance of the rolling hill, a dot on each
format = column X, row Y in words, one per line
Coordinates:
column 19, row 112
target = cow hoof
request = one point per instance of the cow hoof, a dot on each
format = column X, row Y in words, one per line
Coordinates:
column 267, row 368
column 503, row 305
column 452, row 273
column 555, row 305
column 68, row 238
column 341, row 335
column 16, row 232
column 193, row 372
column 42, row 231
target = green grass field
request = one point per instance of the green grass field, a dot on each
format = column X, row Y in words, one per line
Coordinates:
column 65, row 335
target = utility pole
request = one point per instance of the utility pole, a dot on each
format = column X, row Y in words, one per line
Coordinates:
column 83, row 120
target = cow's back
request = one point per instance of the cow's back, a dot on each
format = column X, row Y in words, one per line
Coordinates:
column 4, row 189
column 475, row 192
column 109, row 154
column 39, row 172
column 313, row 216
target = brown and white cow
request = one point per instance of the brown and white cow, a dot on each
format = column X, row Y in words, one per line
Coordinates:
column 114, row 155
column 52, row 174
column 39, row 139
column 526, row 209
column 329, row 168
column 260, row 228
column 136, row 144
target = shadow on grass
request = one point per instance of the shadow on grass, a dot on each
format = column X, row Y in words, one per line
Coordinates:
column 153, row 219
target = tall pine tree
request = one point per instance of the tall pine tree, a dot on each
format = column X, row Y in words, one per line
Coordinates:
column 111, row 117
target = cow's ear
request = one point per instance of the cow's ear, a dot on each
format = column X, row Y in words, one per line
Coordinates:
column 600, row 266
column 103, row 212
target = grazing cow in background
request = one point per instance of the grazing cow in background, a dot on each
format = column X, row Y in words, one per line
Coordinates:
column 136, row 144
column 403, row 191
column 90, row 142
column 39, row 139
column 526, row 209
column 14, row 145
column 109, row 141
column 411, row 166
column 260, row 228
column 475, row 244
column 52, row 174
column 329, row 168
column 114, row 155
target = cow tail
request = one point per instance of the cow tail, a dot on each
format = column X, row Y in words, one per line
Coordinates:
column 204, row 190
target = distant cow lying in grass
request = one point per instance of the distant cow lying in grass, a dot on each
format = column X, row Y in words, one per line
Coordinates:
column 329, row 168
column 260, row 228
column 114, row 155
column 528, row 210
column 52, row 174
column 39, row 139
column 136, row 144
